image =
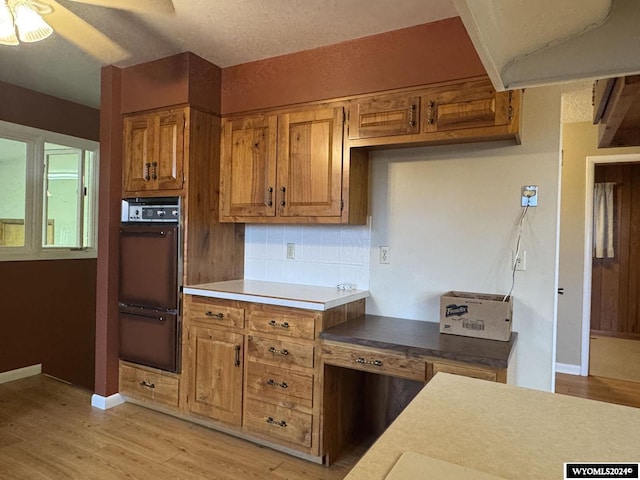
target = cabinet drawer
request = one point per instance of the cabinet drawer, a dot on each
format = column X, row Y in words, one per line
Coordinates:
column 460, row 369
column 296, row 324
column 385, row 362
column 149, row 386
column 200, row 309
column 278, row 422
column 280, row 351
column 279, row 386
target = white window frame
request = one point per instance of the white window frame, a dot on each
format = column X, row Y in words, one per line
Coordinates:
column 33, row 248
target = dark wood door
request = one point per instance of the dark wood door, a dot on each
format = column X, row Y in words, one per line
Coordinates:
column 615, row 291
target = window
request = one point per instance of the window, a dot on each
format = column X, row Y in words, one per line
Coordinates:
column 48, row 194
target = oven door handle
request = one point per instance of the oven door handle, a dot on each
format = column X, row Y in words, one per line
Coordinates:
column 138, row 233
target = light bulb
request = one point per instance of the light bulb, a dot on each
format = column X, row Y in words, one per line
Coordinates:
column 7, row 28
column 31, row 26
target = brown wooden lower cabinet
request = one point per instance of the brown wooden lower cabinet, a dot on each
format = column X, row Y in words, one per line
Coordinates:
column 216, row 367
column 149, row 385
column 267, row 374
column 247, row 369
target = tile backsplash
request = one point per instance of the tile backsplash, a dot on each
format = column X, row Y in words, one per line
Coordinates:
column 325, row 255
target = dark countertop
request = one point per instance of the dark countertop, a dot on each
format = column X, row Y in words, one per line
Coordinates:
column 414, row 337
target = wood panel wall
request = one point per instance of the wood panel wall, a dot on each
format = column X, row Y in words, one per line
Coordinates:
column 615, row 290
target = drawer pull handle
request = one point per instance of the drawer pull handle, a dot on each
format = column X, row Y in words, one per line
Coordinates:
column 273, row 323
column 216, row 315
column 147, row 384
column 147, row 177
column 375, row 363
column 273, row 383
column 281, row 423
column 280, row 352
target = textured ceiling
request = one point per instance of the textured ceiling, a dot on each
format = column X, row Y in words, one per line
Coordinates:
column 521, row 42
column 221, row 31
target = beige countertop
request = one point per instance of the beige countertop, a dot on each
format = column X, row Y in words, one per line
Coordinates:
column 274, row 293
column 502, row 430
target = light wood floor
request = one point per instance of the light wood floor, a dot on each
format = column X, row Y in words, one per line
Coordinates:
column 607, row 390
column 48, row 430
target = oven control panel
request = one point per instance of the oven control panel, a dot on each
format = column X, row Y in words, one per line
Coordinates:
column 150, row 210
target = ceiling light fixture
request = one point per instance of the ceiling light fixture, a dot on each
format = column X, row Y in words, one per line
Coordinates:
column 21, row 19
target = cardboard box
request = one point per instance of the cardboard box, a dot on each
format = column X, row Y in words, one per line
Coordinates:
column 479, row 315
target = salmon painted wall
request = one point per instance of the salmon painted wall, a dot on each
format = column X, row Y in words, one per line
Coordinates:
column 175, row 80
column 429, row 53
column 180, row 79
column 48, row 307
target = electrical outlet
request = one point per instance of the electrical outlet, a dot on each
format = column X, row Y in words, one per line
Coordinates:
column 291, row 251
column 384, row 255
column 520, row 262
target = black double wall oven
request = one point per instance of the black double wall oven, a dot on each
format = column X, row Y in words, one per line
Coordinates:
column 149, row 276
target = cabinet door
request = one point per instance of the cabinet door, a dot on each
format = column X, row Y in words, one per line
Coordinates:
column 310, row 163
column 248, row 167
column 215, row 388
column 154, row 149
column 471, row 105
column 138, row 151
column 384, row 115
column 167, row 163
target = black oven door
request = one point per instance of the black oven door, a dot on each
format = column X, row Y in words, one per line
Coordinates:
column 149, row 266
column 149, row 337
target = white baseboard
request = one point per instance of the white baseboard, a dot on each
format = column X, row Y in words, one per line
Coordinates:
column 19, row 373
column 567, row 368
column 105, row 403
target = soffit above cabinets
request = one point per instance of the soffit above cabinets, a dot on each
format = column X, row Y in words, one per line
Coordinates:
column 525, row 44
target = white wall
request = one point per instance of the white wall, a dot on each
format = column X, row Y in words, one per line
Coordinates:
column 449, row 215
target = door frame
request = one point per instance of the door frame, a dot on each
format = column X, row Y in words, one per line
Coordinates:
column 591, row 163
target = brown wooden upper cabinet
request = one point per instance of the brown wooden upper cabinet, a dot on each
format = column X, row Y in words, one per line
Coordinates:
column 451, row 113
column 154, row 150
column 384, row 115
column 284, row 168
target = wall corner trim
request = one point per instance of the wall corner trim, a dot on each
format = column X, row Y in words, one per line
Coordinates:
column 19, row 373
column 567, row 368
column 105, row 403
